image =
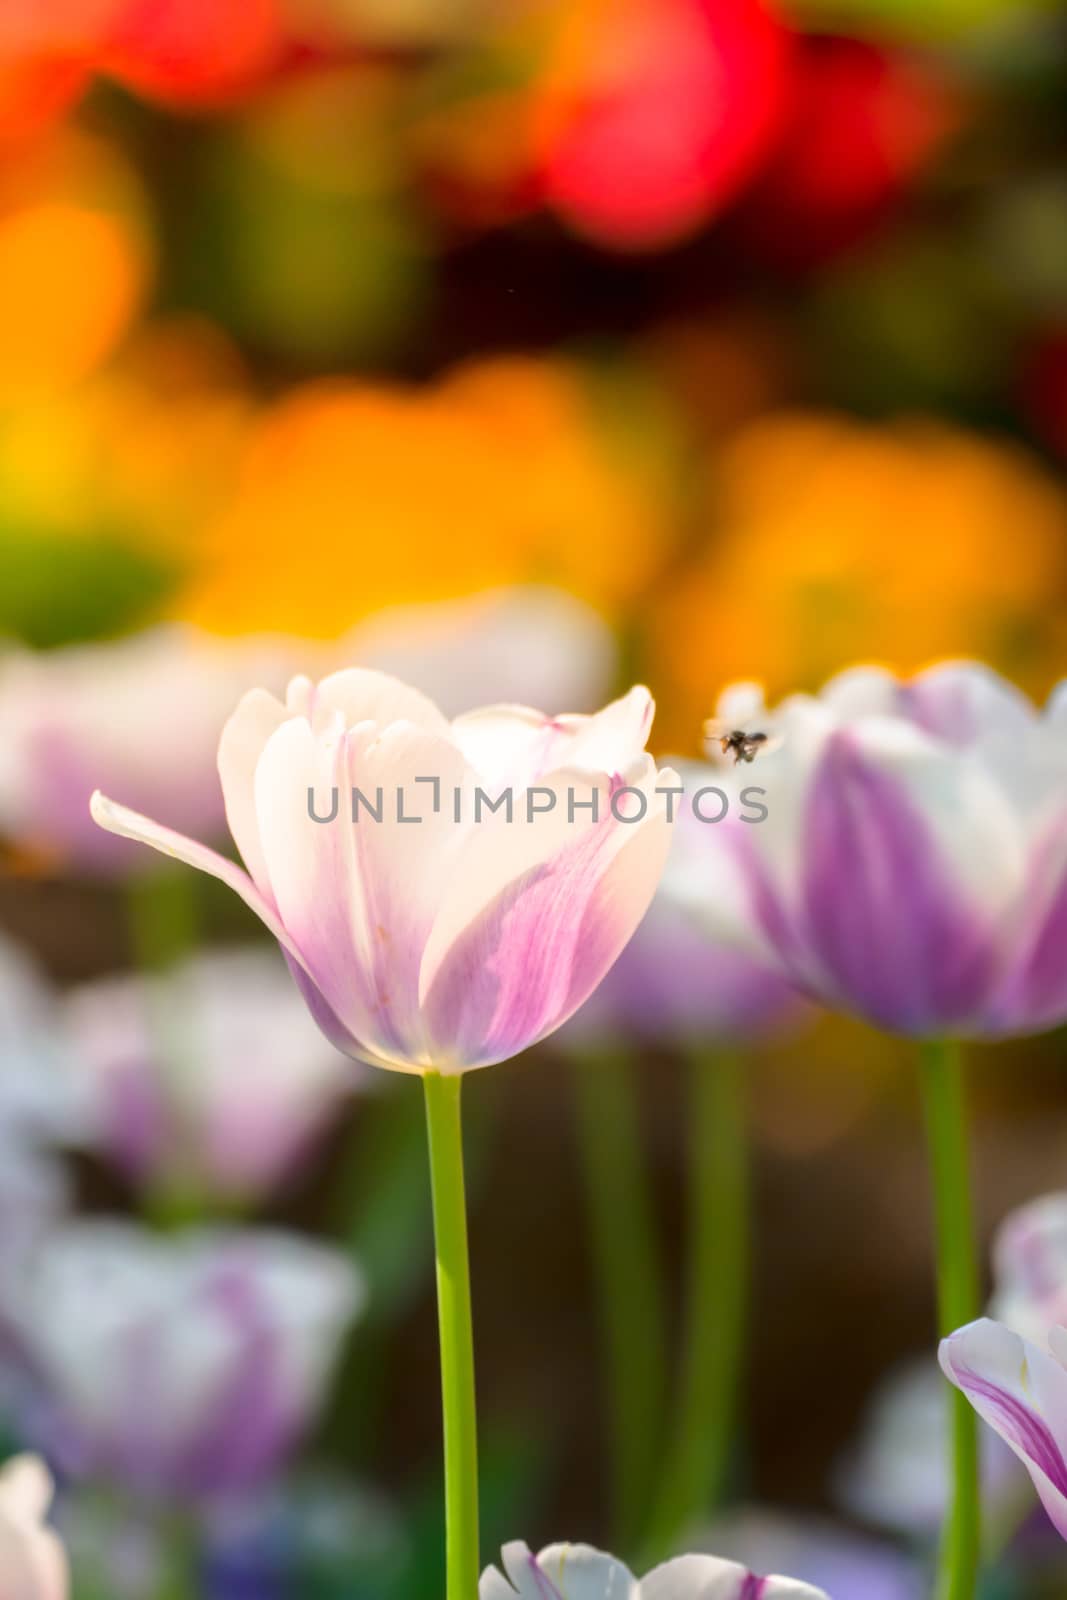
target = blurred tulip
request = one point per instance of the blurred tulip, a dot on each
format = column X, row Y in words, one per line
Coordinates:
column 33, row 1565
column 897, row 1475
column 911, row 867
column 464, row 943
column 1030, row 1269
column 185, row 1365
column 824, row 1553
column 689, row 973
column 653, row 113
column 576, row 1571
column 536, row 646
column 805, row 570
column 1021, row 1392
column 251, row 1085
column 74, row 717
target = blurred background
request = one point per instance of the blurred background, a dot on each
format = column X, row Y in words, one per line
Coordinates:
column 526, row 348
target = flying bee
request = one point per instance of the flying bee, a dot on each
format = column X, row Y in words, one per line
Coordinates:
column 739, row 744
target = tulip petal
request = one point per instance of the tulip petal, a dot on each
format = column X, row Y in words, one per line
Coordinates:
column 895, row 933
column 131, row 825
column 560, row 1572
column 709, row 1578
column 363, row 695
column 517, row 745
column 240, row 747
column 510, row 960
column 1033, row 996
column 359, row 897
column 1021, row 1392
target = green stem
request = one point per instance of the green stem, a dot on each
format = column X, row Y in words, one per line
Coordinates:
column 629, row 1279
column 957, row 1297
column 456, row 1333
column 698, row 1455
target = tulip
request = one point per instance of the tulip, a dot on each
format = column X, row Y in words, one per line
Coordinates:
column 1030, row 1269
column 251, row 1086
column 446, row 894
column 913, row 869
column 33, row 1565
column 578, row 1572
column 184, row 1365
column 421, row 943
column 1020, row 1390
column 140, row 715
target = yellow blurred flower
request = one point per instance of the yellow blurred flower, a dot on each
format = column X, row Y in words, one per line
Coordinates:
column 831, row 541
column 354, row 497
column 72, row 203
column 146, row 448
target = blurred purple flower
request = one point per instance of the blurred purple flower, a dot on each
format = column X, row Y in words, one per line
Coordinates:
column 141, row 715
column 847, row 1565
column 578, row 1572
column 913, row 864
column 688, row 974
column 1021, row 1392
column 211, row 1079
column 183, row 1365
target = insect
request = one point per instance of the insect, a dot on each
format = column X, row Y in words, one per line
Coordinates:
column 737, row 743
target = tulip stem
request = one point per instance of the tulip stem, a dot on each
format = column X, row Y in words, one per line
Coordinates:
column 698, row 1456
column 957, row 1295
column 628, row 1277
column 444, row 1127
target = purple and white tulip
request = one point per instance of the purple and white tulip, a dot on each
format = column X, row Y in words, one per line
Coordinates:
column 181, row 1365
column 913, row 864
column 245, row 1086
column 578, row 1572
column 1020, row 1390
column 139, row 716
column 447, row 944
column 33, row 1564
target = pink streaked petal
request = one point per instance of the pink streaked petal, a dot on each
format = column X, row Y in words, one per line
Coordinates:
column 530, row 956
column 240, row 747
column 1021, row 1392
column 710, row 1578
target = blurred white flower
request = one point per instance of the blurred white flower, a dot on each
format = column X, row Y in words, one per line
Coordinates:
column 211, row 1079
column 184, row 1364
column 535, row 646
column 897, row 1475
column 140, row 716
column 33, row 1565
column 40, row 1102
